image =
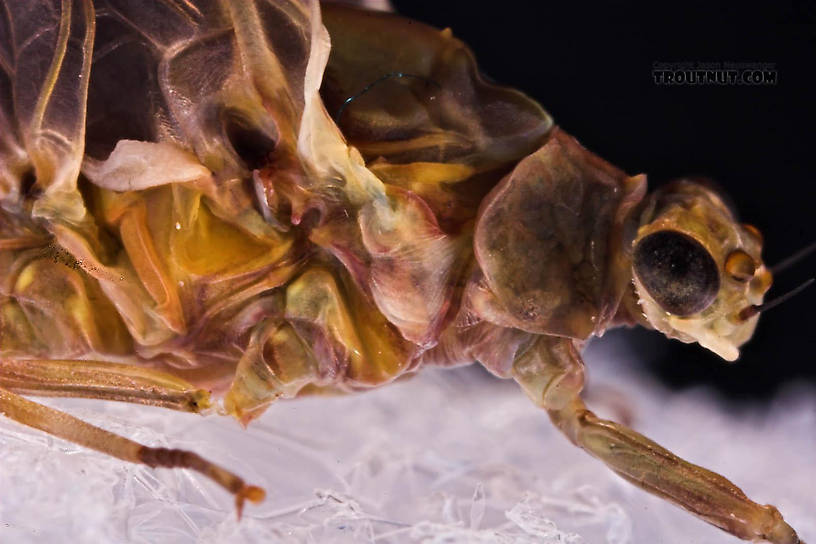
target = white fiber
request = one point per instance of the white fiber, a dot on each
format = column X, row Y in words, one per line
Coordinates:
column 447, row 457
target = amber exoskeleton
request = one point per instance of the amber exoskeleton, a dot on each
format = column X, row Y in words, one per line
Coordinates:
column 190, row 205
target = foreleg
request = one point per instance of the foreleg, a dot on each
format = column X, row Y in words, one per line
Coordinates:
column 551, row 373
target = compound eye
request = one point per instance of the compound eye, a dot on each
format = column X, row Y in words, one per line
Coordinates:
column 677, row 271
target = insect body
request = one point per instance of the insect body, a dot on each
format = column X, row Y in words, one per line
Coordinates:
column 181, row 215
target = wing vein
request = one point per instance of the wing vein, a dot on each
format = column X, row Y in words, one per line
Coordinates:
column 124, row 19
column 190, row 13
column 87, row 61
column 53, row 71
column 12, row 40
column 5, row 66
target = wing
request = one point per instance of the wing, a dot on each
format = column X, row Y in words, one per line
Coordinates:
column 46, row 57
column 182, row 97
column 210, row 171
column 444, row 112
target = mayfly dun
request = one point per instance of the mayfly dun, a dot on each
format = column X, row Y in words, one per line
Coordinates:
column 233, row 203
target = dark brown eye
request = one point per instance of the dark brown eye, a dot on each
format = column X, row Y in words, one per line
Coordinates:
column 677, row 271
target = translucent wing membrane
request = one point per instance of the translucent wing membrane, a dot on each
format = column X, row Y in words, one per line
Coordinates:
column 46, row 61
column 460, row 119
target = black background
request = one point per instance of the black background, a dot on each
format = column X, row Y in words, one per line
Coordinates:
column 592, row 70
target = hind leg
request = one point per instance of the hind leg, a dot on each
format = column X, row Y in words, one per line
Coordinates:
column 113, row 382
column 101, row 380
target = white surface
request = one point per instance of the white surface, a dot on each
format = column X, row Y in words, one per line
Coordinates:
column 448, row 457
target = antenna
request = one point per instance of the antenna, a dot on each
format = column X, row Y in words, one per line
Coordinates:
column 793, row 259
column 747, row 313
